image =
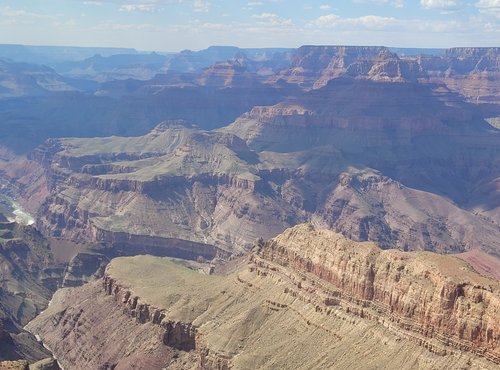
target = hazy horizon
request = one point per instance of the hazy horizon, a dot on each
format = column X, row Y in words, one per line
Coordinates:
column 174, row 25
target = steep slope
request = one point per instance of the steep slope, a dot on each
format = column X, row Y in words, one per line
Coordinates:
column 32, row 269
column 129, row 108
column 176, row 183
column 207, row 193
column 425, row 140
column 114, row 67
column 28, row 277
column 307, row 299
column 22, row 79
column 472, row 72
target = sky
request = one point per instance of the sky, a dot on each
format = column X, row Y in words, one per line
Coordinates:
column 174, row 25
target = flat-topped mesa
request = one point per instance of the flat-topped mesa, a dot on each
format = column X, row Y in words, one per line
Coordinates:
column 309, row 63
column 472, row 52
column 315, row 66
column 472, row 72
column 233, row 72
column 436, row 296
column 277, row 113
column 315, row 57
column 80, row 154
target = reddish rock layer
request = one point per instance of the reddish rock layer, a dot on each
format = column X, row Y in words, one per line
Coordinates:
column 435, row 296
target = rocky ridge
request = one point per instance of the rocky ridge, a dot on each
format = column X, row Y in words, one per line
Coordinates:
column 416, row 291
column 472, row 72
column 273, row 168
column 315, row 282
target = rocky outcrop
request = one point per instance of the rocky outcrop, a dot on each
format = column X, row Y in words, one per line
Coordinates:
column 32, row 269
column 233, row 72
column 472, row 72
column 311, row 63
column 178, row 335
column 313, row 289
column 414, row 291
column 45, row 364
column 282, row 165
column 23, row 79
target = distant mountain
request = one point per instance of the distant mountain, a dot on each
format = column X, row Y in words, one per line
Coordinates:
column 31, row 80
column 191, row 61
column 114, row 67
column 49, row 55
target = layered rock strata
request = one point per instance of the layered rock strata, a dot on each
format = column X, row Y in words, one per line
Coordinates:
column 345, row 299
column 273, row 168
column 433, row 295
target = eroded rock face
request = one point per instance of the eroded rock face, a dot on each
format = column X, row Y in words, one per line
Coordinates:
column 472, row 72
column 426, row 293
column 371, row 111
column 339, row 295
column 276, row 167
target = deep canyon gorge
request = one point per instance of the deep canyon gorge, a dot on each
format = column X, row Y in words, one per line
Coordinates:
column 252, row 208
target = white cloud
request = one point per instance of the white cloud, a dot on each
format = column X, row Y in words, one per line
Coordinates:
column 135, row 5
column 127, row 27
column 19, row 16
column 325, row 7
column 215, row 26
column 9, row 12
column 326, row 20
column 373, row 22
column 440, row 4
column 395, row 3
column 201, row 6
column 489, row 7
column 145, row 8
column 272, row 19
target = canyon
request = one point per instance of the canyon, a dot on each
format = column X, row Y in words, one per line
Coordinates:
column 319, row 292
column 186, row 175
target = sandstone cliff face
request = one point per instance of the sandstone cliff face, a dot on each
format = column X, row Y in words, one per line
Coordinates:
column 472, row 72
column 276, row 167
column 301, row 300
column 283, row 164
column 430, row 294
column 191, row 185
column 316, row 63
column 233, row 72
